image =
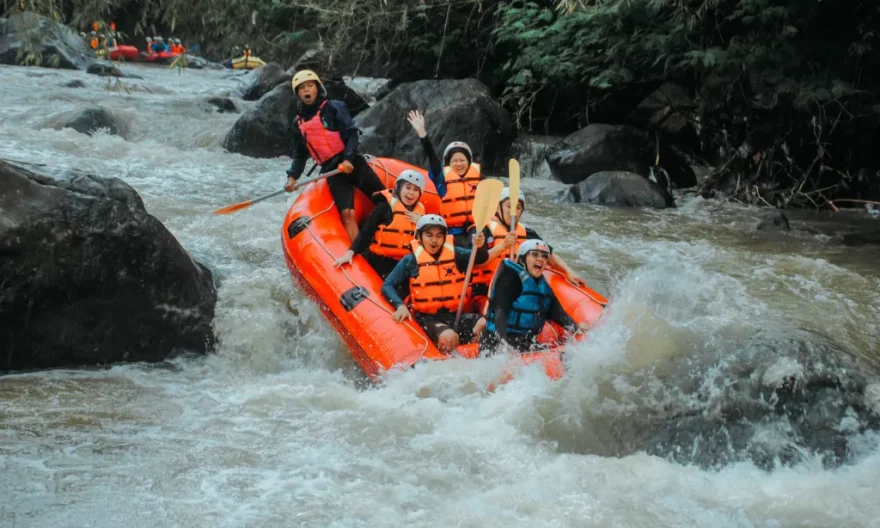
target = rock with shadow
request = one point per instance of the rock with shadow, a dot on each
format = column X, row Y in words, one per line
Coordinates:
column 618, row 189
column 89, row 277
column 30, row 39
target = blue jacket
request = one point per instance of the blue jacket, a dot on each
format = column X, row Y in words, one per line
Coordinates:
column 530, row 309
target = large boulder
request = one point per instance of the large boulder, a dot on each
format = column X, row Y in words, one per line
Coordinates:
column 224, row 105
column 263, row 80
column 94, row 118
column 89, row 277
column 619, row 189
column 200, row 63
column 104, row 68
column 455, row 110
column 669, row 109
column 264, row 131
column 30, row 39
column 599, row 147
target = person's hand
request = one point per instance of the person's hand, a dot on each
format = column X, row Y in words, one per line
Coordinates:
column 346, row 167
column 417, row 120
column 479, row 240
column 344, row 259
column 413, row 217
column 576, row 279
column 401, row 313
column 510, row 239
column 291, row 183
column 583, row 327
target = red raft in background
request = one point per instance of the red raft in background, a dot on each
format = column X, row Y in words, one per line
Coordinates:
column 129, row 53
column 350, row 297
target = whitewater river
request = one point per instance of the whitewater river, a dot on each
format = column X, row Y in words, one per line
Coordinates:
column 665, row 418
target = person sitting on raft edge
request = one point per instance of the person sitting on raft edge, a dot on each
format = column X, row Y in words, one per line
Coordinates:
column 521, row 301
column 456, row 179
column 498, row 234
column 324, row 130
column 386, row 235
column 435, row 273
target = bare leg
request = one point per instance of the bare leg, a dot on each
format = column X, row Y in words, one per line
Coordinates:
column 350, row 223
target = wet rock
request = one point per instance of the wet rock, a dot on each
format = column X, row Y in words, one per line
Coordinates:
column 263, row 80
column 866, row 238
column 455, row 110
column 264, row 131
column 75, row 83
column 200, row 63
column 89, row 277
column 775, row 221
column 599, row 148
column 95, row 118
column 619, row 189
column 108, row 69
column 224, row 105
column 30, row 39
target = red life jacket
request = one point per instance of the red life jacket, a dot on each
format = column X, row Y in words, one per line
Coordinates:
column 323, row 144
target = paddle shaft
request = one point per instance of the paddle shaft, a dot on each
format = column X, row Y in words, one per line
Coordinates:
column 244, row 205
column 467, row 280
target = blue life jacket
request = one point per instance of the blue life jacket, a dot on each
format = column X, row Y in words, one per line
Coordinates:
column 530, row 310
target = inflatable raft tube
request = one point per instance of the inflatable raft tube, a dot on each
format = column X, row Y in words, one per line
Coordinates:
column 350, row 297
column 247, row 63
column 129, row 53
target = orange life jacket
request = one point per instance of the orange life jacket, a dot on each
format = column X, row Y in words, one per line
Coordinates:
column 483, row 274
column 457, row 206
column 323, row 144
column 393, row 240
column 438, row 285
column 177, row 49
column 94, row 43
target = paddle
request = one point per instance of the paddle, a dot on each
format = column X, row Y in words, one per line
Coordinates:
column 244, row 205
column 485, row 204
column 513, row 170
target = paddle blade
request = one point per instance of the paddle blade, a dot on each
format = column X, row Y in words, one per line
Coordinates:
column 233, row 208
column 486, row 201
column 513, row 172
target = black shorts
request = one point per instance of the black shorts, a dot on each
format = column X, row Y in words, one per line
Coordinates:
column 382, row 265
column 342, row 185
column 436, row 324
column 490, row 343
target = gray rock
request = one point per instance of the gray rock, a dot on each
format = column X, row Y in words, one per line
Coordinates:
column 28, row 38
column 95, row 118
column 75, row 83
column 89, row 277
column 263, row 80
column 225, row 105
column 619, row 189
column 775, row 221
column 455, row 110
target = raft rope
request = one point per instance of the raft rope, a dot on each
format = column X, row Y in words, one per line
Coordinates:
column 320, row 243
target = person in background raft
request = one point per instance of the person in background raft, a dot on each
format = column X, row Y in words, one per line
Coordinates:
column 455, row 180
column 94, row 42
column 435, row 273
column 149, row 41
column 521, row 301
column 387, row 233
column 324, row 130
column 499, row 240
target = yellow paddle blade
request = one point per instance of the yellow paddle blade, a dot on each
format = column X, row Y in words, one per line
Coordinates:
column 233, row 208
column 513, row 172
column 486, row 201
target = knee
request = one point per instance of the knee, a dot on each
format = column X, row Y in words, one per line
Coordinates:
column 480, row 326
column 347, row 215
column 447, row 340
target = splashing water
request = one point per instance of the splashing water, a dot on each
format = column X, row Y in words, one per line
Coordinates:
column 731, row 382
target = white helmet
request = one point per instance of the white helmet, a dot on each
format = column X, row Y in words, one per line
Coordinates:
column 412, row 176
column 532, row 245
column 505, row 195
column 457, row 145
column 430, row 220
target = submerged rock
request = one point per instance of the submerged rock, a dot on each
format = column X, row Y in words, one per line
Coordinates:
column 89, row 277
column 95, row 118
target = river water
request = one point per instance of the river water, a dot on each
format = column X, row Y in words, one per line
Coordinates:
column 280, row 428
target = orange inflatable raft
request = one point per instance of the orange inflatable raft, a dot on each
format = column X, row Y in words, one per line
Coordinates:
column 350, row 297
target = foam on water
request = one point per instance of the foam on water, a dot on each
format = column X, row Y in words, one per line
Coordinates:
column 279, row 427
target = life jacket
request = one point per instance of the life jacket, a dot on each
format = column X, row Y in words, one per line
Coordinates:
column 177, row 49
column 94, row 43
column 529, row 311
column 483, row 274
column 323, row 144
column 393, row 240
column 439, row 283
column 458, row 204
